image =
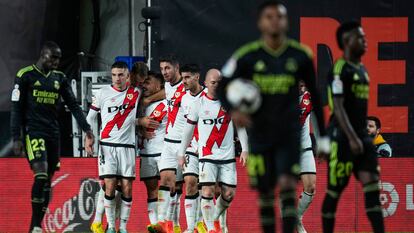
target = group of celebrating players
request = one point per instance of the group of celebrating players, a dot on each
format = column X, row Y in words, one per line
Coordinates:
column 190, row 133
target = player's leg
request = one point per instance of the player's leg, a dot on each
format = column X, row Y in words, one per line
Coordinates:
column 150, row 175
column 167, row 166
column 227, row 178
column 223, row 216
column 191, row 187
column 126, row 203
column 126, row 158
column 339, row 171
column 37, row 156
column 96, row 226
column 287, row 156
column 368, row 174
column 308, row 177
column 208, row 179
column 262, row 174
column 108, row 172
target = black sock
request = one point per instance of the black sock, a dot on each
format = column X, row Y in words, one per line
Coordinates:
column 38, row 199
column 329, row 206
column 46, row 192
column 289, row 215
column 267, row 212
column 373, row 206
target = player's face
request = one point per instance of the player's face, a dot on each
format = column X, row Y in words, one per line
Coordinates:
column 302, row 87
column 51, row 58
column 273, row 21
column 212, row 84
column 168, row 71
column 190, row 80
column 150, row 86
column 119, row 77
column 372, row 128
column 357, row 42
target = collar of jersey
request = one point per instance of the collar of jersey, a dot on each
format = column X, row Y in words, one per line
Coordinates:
column 119, row 90
column 198, row 92
column 273, row 52
column 356, row 66
column 181, row 79
column 208, row 97
column 38, row 70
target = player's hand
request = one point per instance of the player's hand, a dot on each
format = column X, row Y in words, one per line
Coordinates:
column 356, row 145
column 241, row 119
column 323, row 148
column 18, row 148
column 148, row 122
column 89, row 141
column 181, row 161
column 243, row 158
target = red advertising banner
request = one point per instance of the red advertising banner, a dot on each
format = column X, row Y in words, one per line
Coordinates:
column 75, row 191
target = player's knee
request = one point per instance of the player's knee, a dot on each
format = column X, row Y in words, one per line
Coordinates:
column 39, row 167
column 286, row 181
column 310, row 188
column 40, row 181
column 207, row 191
column 367, row 177
column 228, row 194
column 191, row 187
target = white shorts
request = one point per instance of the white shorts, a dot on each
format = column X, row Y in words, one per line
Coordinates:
column 307, row 162
column 148, row 166
column 169, row 160
column 116, row 162
column 225, row 173
column 191, row 162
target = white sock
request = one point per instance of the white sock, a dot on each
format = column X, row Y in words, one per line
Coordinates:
column 171, row 207
column 163, row 202
column 152, row 210
column 199, row 212
column 221, row 206
column 223, row 219
column 207, row 207
column 99, row 206
column 125, row 210
column 177, row 209
column 304, row 202
column 109, row 203
column 191, row 207
column 118, row 204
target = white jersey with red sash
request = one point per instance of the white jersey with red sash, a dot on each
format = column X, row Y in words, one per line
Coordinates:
column 305, row 106
column 158, row 112
column 118, row 113
column 175, row 123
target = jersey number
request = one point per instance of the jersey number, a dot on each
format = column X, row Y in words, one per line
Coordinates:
column 38, row 144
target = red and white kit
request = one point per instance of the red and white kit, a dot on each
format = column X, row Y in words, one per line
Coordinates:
column 117, row 135
column 174, row 129
column 307, row 160
column 216, row 142
column 150, row 149
column 191, row 154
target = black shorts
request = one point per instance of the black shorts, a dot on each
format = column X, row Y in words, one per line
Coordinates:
column 43, row 149
column 342, row 163
column 268, row 161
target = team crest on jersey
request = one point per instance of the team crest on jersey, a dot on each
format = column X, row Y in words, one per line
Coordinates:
column 177, row 94
column 260, row 66
column 129, row 96
column 306, row 101
column 157, row 113
column 223, row 109
column 57, row 85
column 291, row 65
column 356, row 77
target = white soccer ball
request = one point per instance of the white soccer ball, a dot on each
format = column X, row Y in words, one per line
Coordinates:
column 244, row 95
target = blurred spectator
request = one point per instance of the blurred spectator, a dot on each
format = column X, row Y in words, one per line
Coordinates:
column 383, row 149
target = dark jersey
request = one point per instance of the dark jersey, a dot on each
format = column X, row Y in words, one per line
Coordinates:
column 35, row 100
column 277, row 73
column 351, row 82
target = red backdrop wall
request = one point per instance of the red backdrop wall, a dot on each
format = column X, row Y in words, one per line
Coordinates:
column 75, row 186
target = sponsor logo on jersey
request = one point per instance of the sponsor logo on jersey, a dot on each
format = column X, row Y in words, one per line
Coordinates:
column 118, row 108
column 57, row 85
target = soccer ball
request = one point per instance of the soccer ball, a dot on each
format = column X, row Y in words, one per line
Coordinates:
column 244, row 95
